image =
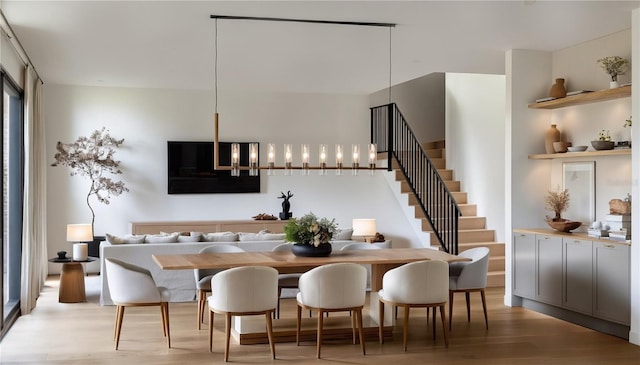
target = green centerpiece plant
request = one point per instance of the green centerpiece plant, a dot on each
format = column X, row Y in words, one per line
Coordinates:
column 310, row 235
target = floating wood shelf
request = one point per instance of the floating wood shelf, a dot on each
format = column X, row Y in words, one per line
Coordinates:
column 549, row 156
column 585, row 98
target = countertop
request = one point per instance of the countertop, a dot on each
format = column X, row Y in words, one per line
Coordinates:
column 576, row 235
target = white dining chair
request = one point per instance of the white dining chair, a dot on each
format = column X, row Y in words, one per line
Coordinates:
column 422, row 284
column 203, row 277
column 243, row 291
column 285, row 281
column 133, row 286
column 336, row 287
column 469, row 276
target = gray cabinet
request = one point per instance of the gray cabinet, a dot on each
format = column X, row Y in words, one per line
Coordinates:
column 578, row 275
column 524, row 264
column 612, row 282
column 549, row 269
column 575, row 272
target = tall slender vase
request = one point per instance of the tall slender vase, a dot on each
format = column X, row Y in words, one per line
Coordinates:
column 552, row 135
column 558, row 90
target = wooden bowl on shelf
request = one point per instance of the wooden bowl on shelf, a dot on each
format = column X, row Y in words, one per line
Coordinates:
column 564, row 225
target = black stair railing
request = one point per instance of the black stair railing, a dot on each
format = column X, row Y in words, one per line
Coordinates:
column 392, row 134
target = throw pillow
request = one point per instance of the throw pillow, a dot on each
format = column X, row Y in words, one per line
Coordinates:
column 190, row 237
column 343, row 234
column 221, row 237
column 116, row 240
column 162, row 238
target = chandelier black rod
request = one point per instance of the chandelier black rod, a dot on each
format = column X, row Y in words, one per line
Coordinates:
column 365, row 24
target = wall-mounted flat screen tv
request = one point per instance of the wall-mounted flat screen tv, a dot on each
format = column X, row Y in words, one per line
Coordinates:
column 190, row 169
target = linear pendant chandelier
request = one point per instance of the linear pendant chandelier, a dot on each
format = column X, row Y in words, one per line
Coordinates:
column 323, row 152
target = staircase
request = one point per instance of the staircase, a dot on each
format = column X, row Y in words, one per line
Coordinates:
column 472, row 231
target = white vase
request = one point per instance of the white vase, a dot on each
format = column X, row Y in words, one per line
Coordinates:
column 613, row 84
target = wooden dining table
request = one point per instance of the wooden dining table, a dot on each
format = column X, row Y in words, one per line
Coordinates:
column 246, row 331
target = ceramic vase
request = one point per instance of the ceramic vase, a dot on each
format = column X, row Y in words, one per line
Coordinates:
column 558, row 90
column 552, row 135
column 613, row 84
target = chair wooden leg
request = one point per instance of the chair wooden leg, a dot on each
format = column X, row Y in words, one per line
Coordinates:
column 380, row 322
column 270, row 334
column 164, row 320
column 227, row 332
column 201, row 306
column 298, row 320
column 115, row 322
column 450, row 308
column 319, row 336
column 119, row 318
column 211, row 314
column 406, row 327
column 444, row 327
column 466, row 296
column 433, row 324
column 164, row 307
column 277, row 313
column 484, row 308
column 360, row 330
column 353, row 326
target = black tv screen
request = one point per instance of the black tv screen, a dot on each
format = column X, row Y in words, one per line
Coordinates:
column 190, row 169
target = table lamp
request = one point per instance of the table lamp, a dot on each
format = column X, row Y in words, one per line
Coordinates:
column 80, row 233
column 364, row 227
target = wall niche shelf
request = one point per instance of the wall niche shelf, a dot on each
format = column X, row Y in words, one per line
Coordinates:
column 586, row 98
column 549, row 156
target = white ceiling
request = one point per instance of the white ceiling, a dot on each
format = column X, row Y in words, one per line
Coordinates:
column 170, row 44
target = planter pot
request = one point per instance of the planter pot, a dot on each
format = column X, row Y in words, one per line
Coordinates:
column 603, row 145
column 303, row 250
column 613, row 84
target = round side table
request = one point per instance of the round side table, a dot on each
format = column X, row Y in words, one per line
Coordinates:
column 71, row 280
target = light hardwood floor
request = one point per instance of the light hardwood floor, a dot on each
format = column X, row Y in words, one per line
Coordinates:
column 82, row 333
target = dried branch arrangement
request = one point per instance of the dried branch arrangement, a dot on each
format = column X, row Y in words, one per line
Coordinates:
column 92, row 157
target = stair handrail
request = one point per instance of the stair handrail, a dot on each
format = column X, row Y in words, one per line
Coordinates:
column 393, row 135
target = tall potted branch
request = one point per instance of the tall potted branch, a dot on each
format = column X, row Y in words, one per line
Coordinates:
column 92, row 157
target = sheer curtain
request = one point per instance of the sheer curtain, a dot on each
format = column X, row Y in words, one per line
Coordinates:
column 34, row 239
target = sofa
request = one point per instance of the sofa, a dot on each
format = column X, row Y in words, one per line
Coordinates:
column 138, row 250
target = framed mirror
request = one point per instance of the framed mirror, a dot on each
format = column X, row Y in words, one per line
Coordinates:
column 579, row 179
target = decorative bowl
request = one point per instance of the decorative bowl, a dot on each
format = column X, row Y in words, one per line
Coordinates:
column 577, row 148
column 603, row 145
column 561, row 147
column 564, row 225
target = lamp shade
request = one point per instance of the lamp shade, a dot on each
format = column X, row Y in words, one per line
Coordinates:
column 364, row 227
column 79, row 233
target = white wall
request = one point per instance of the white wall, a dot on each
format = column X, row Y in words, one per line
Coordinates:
column 475, row 120
column 421, row 102
column 527, row 180
column 146, row 119
column 581, row 124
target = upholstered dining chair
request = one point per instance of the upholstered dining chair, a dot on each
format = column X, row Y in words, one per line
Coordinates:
column 285, row 281
column 203, row 277
column 418, row 284
column 469, row 276
column 131, row 286
column 336, row 287
column 243, row 291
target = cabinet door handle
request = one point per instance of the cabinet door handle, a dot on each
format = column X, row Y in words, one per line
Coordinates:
column 609, row 246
